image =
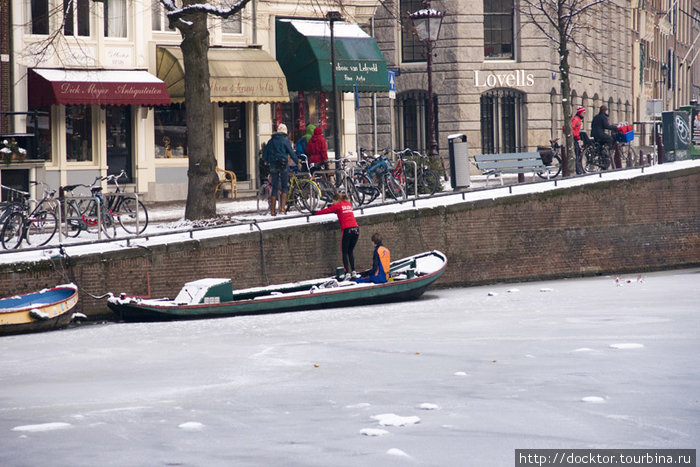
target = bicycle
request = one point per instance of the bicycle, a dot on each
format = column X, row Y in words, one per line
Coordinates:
column 332, row 182
column 88, row 213
column 304, row 193
column 36, row 225
column 380, row 173
column 551, row 157
column 130, row 212
column 595, row 156
column 426, row 180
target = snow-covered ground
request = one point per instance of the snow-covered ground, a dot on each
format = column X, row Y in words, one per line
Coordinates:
column 461, row 377
column 167, row 225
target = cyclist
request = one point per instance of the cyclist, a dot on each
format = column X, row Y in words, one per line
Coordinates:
column 601, row 123
column 576, row 124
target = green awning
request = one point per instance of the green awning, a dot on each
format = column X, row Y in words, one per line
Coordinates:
column 304, row 53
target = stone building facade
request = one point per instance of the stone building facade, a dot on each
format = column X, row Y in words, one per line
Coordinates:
column 496, row 76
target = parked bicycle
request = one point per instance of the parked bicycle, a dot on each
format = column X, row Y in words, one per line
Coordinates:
column 117, row 207
column 34, row 226
column 379, row 170
column 551, row 157
column 304, row 193
column 334, row 181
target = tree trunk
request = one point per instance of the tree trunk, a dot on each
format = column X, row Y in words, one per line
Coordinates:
column 566, row 94
column 201, row 174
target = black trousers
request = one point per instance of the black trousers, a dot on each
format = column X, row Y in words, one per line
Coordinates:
column 348, row 241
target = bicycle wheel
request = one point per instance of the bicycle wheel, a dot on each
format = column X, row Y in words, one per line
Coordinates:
column 263, row 199
column 393, row 187
column 590, row 160
column 109, row 224
column 428, row 182
column 12, row 230
column 553, row 169
column 73, row 220
column 365, row 187
column 307, row 196
column 328, row 191
column 127, row 211
column 41, row 227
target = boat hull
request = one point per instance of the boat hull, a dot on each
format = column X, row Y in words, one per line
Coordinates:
column 135, row 310
column 41, row 311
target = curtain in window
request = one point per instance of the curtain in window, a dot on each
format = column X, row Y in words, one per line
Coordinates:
column 501, row 121
column 115, row 18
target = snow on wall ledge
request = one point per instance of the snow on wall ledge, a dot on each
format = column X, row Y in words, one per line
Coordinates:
column 641, row 223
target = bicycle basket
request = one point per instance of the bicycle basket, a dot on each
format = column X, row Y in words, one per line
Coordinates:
column 546, row 154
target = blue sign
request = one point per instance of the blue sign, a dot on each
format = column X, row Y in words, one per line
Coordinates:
column 392, row 80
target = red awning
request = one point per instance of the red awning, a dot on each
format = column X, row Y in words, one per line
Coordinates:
column 100, row 87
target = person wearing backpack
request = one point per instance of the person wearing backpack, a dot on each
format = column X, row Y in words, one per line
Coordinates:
column 276, row 153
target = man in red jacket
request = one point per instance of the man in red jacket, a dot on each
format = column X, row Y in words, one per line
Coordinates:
column 576, row 124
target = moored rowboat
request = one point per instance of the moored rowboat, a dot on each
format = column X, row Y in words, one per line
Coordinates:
column 38, row 311
column 212, row 298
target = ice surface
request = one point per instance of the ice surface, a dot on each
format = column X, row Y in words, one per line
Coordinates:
column 505, row 372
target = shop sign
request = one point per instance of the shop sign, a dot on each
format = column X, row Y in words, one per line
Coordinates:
column 244, row 87
column 503, row 79
column 118, row 56
column 356, row 72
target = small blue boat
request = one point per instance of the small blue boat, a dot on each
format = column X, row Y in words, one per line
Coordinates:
column 44, row 310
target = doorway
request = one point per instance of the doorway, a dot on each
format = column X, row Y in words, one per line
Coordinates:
column 235, row 154
column 118, row 123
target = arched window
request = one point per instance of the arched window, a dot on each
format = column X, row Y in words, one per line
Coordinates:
column 412, row 118
column 502, row 123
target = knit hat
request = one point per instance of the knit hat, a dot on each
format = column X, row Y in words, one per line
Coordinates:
column 580, row 110
column 282, row 128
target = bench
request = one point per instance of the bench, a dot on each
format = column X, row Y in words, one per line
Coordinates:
column 494, row 165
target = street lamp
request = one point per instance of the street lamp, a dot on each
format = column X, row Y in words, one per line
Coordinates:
column 334, row 16
column 427, row 23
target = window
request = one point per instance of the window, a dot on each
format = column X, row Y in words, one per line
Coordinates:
column 159, row 22
column 498, row 29
column 412, row 49
column 115, row 16
column 79, row 133
column 170, row 131
column 40, row 16
column 76, row 17
column 232, row 24
column 39, row 124
column 304, row 109
column 501, row 121
column 412, row 113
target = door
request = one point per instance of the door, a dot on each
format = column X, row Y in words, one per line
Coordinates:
column 234, row 140
column 118, row 123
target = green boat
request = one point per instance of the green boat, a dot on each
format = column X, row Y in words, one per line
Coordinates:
column 213, row 298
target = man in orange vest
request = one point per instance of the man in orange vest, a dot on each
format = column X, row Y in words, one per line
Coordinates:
column 381, row 261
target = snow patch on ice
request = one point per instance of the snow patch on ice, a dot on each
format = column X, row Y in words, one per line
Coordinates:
column 626, row 346
column 191, row 426
column 593, row 400
column 390, row 419
column 428, row 406
column 373, row 432
column 361, row 405
column 583, row 349
column 460, row 373
column 397, row 452
column 546, row 289
column 513, row 290
column 43, row 427
column 493, row 294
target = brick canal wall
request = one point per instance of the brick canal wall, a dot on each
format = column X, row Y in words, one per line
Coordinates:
column 648, row 223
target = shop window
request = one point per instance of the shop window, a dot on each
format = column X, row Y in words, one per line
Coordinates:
column 79, row 133
column 305, row 108
column 412, row 49
column 170, row 131
column 159, row 22
column 499, row 20
column 115, row 16
column 40, row 16
column 501, row 121
column 76, row 20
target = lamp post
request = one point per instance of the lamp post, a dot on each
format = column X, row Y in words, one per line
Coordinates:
column 334, row 16
column 427, row 23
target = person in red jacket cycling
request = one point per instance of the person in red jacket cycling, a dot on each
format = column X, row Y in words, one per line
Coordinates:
column 576, row 124
column 350, row 231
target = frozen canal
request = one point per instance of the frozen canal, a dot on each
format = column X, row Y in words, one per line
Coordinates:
column 460, row 377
